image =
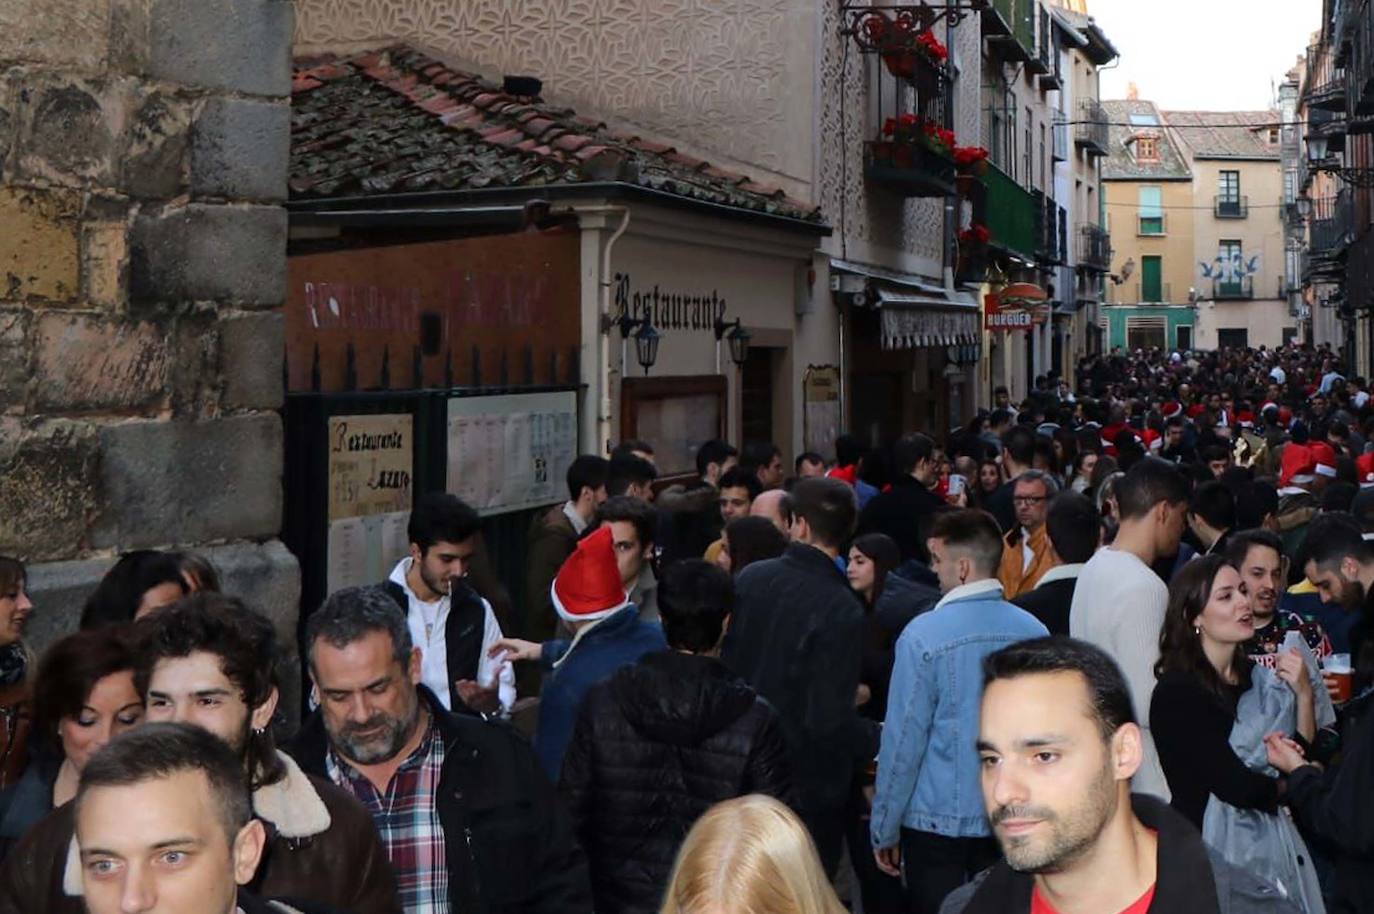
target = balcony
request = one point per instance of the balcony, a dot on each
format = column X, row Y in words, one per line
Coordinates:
column 1332, row 227
column 1239, row 289
column 1325, row 84
column 1094, row 248
column 1091, row 131
column 1009, row 27
column 1010, row 214
column 1359, row 61
column 909, row 169
column 1328, row 125
column 1153, row 294
column 1231, row 207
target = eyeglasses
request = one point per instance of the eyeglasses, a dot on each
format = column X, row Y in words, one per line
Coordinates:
column 1029, row 499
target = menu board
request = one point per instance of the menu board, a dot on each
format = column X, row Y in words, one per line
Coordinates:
column 370, row 496
column 821, row 417
column 507, row 453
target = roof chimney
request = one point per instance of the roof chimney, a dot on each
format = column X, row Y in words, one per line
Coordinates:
column 1132, row 92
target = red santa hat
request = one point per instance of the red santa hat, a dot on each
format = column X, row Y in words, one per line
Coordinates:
column 1298, row 461
column 1324, row 458
column 588, row 586
column 1171, row 409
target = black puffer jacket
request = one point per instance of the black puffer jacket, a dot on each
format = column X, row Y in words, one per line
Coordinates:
column 655, row 746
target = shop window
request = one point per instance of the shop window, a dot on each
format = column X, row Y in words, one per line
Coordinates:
column 1145, row 333
column 1233, row 338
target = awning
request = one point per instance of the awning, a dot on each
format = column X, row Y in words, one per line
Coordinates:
column 912, row 320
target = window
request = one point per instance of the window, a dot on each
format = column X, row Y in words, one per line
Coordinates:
column 1151, row 210
column 1228, row 186
column 1044, row 162
column 1183, row 335
column 1146, row 149
column 1273, row 135
column 1143, row 120
column 1152, row 279
column 1028, row 175
column 1233, row 338
column 1230, row 282
column 1145, row 333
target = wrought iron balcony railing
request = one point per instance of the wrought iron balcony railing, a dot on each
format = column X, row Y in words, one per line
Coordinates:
column 1091, row 131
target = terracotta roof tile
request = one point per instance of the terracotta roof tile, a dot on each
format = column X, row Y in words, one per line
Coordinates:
column 395, row 120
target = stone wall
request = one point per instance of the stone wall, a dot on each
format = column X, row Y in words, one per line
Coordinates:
column 143, row 162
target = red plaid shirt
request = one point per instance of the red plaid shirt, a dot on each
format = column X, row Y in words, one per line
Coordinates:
column 407, row 818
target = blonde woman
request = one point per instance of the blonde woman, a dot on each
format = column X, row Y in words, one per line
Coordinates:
column 751, row 855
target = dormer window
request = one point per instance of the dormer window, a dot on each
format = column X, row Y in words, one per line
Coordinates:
column 1146, row 149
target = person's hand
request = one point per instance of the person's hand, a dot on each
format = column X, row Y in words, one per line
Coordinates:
column 478, row 697
column 1292, row 670
column 889, row 859
column 862, row 696
column 1284, row 754
column 1332, row 688
column 516, row 649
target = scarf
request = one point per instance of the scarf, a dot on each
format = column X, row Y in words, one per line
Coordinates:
column 13, row 662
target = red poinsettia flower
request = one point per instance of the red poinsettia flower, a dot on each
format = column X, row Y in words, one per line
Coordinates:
column 889, row 126
column 969, row 155
column 932, row 46
column 977, row 233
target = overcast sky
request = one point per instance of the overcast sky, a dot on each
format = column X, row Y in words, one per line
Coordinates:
column 1207, row 55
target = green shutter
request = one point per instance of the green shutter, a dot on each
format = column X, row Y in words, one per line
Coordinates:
column 1151, row 279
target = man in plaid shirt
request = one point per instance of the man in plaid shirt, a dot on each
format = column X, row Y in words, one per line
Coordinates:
column 469, row 821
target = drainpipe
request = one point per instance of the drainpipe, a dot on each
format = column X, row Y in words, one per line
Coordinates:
column 596, row 399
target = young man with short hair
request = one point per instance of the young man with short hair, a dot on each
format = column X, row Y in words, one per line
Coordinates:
column 1340, row 563
column 1212, row 516
column 165, row 824
column 1057, row 746
column 808, row 464
column 763, row 459
column 905, row 510
column 632, row 476
column 797, row 638
column 1258, row 556
column 210, row 661
column 552, row 537
column 738, row 489
column 633, row 522
column 452, row 623
column 925, row 810
column 1119, row 602
column 690, row 519
column 469, row 821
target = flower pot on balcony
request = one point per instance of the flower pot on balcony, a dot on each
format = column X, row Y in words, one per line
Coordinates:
column 912, row 170
column 900, row 63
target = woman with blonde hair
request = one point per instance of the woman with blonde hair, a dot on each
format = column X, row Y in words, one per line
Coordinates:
column 750, row 855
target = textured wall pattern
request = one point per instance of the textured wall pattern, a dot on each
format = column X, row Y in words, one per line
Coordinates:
column 710, row 72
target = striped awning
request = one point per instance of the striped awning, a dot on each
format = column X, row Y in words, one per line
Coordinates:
column 913, row 319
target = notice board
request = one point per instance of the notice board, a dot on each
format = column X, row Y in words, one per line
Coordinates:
column 511, row 452
column 370, row 493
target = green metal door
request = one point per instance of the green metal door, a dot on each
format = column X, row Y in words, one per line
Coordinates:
column 1151, row 279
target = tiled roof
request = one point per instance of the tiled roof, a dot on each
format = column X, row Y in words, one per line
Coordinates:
column 1225, row 134
column 1121, row 164
column 395, row 121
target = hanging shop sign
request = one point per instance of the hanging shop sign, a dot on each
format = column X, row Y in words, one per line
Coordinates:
column 1018, row 312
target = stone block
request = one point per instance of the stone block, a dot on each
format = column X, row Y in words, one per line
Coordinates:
column 154, row 162
column 14, row 359
column 73, row 34
column 49, row 486
column 105, row 263
column 240, row 149
column 210, row 253
column 88, row 362
column 267, row 577
column 39, row 249
column 59, row 591
column 252, row 347
column 69, row 129
column 8, row 124
column 194, row 380
column 237, row 45
column 190, row 482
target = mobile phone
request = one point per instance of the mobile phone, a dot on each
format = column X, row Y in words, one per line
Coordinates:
column 956, row 484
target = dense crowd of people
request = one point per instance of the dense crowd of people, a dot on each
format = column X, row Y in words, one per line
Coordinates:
column 1104, row 650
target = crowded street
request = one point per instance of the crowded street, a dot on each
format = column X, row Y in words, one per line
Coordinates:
column 686, row 457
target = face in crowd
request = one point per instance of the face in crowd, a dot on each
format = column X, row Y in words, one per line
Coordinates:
column 630, row 553
column 112, row 707
column 1340, row 584
column 1050, row 776
column 1031, row 499
column 442, row 562
column 195, row 690
column 15, row 609
column 734, row 502
column 1262, row 574
column 367, row 696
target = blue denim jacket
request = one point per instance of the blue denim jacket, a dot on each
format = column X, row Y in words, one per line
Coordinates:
column 928, row 777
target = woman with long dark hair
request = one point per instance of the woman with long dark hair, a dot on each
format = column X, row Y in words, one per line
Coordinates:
column 747, row 540
column 1209, row 714
column 140, row 582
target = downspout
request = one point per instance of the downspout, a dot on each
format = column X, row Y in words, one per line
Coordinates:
column 601, row 442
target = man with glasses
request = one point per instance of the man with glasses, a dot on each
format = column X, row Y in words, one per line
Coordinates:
column 1027, row 553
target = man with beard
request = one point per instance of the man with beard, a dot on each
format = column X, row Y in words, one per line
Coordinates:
column 468, row 819
column 1340, row 564
column 1058, row 744
column 210, row 661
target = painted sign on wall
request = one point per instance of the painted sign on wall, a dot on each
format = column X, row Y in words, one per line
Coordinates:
column 370, row 496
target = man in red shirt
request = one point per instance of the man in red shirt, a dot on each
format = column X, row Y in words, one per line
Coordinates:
column 1058, row 744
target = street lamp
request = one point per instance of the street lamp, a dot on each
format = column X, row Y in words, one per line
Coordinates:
column 646, row 345
column 739, row 345
column 1316, row 147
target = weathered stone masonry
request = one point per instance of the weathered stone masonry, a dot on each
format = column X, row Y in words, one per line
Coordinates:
column 143, row 160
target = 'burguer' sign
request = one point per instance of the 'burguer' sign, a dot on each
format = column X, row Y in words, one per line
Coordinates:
column 998, row 317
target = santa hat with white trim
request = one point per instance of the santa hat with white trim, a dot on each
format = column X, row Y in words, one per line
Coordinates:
column 588, row 586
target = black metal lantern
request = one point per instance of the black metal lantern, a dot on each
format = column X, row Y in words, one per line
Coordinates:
column 646, row 345
column 739, row 345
